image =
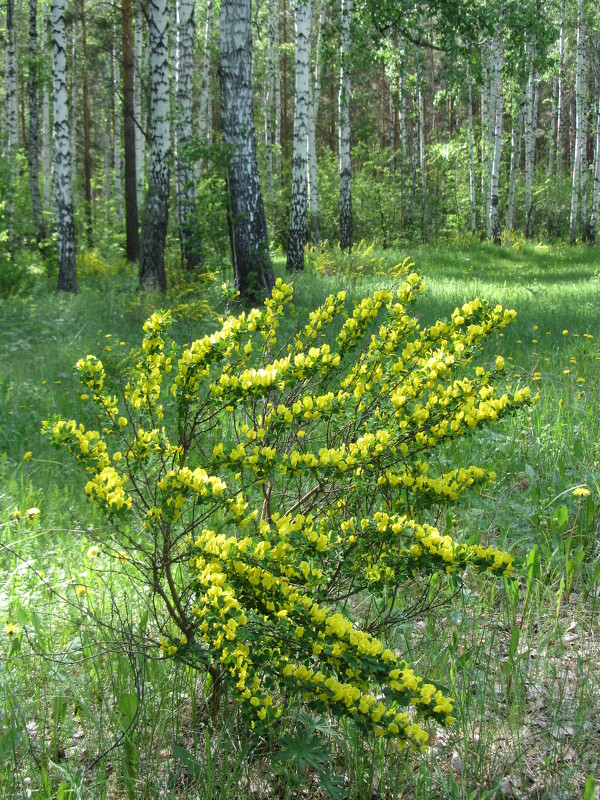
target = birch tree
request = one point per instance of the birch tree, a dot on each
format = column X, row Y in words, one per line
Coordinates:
column 205, row 116
column 152, row 273
column 140, row 141
column 33, row 137
column 12, row 130
column 191, row 255
column 129, row 137
column 253, row 271
column 515, row 157
column 493, row 228
column 344, row 130
column 297, row 232
column 472, row 197
column 314, row 224
column 65, row 220
column 579, row 166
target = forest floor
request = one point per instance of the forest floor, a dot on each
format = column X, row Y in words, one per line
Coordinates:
column 522, row 659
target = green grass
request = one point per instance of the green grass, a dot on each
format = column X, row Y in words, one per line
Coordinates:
column 526, row 677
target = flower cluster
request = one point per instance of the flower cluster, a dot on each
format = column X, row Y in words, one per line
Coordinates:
column 268, row 489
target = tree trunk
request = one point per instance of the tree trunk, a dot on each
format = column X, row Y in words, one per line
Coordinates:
column 493, row 230
column 472, row 165
column 138, row 116
column 65, row 221
column 593, row 226
column 485, row 127
column 559, row 101
column 116, row 115
column 579, row 154
column 314, row 223
column 530, row 123
column 191, row 253
column 344, row 130
column 156, row 213
column 297, row 233
column 252, row 266
column 33, row 139
column 131, row 208
column 204, row 127
column 87, row 155
column 515, row 159
column 12, row 120
column 47, row 127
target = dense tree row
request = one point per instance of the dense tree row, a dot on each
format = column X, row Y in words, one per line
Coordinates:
column 388, row 120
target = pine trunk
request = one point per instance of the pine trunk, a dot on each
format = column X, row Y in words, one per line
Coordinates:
column 252, row 266
column 191, row 253
column 65, row 220
column 297, row 233
column 344, row 130
column 156, row 212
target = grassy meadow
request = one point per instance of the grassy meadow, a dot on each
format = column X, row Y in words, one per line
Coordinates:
column 521, row 659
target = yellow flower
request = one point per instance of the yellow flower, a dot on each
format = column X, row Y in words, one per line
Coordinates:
column 84, row 396
column 80, row 590
column 27, row 455
column 16, row 514
column 93, row 551
column 11, row 628
column 32, row 512
column 565, row 332
column 581, row 491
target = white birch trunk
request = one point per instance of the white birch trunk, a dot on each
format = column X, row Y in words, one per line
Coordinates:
column 314, row 224
column 515, row 159
column 297, row 233
column 191, row 256
column 12, row 128
column 579, row 124
column 117, row 139
column 593, row 226
column 529, row 129
column 344, row 130
column 270, row 81
column 552, row 131
column 46, row 131
column 472, row 164
column 140, row 139
column 485, row 127
column 156, row 211
column 493, row 229
column 65, row 221
column 559, row 101
column 252, row 266
column 402, row 126
column 205, row 117
column 33, row 138
column 277, row 98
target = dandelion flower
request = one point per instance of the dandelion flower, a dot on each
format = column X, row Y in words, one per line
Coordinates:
column 581, row 491
column 80, row 590
column 11, row 628
column 93, row 551
column 27, row 455
column 32, row 512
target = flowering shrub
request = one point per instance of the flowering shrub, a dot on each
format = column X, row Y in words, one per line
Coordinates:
column 262, row 489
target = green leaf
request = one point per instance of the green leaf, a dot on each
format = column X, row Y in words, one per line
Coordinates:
column 186, row 758
column 59, row 708
column 589, row 790
column 9, row 742
column 128, row 704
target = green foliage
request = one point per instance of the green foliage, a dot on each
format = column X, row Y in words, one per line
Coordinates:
column 261, row 491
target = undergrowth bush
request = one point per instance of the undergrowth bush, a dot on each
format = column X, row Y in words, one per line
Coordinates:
column 272, row 500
